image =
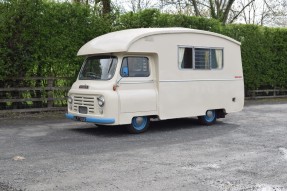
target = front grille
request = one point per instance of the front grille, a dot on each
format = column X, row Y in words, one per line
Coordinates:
column 85, row 101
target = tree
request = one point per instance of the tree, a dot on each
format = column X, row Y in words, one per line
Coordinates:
column 265, row 12
column 223, row 10
column 105, row 5
column 135, row 5
column 176, row 6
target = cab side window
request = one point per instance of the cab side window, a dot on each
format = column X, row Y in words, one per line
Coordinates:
column 134, row 66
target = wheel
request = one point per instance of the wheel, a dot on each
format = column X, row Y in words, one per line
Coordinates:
column 139, row 124
column 209, row 118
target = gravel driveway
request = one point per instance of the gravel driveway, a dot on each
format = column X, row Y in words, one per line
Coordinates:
column 244, row 151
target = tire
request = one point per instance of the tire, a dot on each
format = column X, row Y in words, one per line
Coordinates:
column 138, row 125
column 209, row 118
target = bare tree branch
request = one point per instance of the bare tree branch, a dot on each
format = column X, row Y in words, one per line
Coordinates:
column 236, row 16
column 194, row 4
column 226, row 11
column 212, row 9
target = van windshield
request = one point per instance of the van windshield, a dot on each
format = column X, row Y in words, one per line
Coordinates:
column 98, row 68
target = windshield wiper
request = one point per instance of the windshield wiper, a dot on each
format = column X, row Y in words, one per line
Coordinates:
column 110, row 65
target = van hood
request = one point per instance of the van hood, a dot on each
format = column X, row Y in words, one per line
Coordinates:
column 86, row 85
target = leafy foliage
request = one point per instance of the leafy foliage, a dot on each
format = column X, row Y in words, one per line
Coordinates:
column 41, row 38
column 264, row 50
column 153, row 18
column 264, row 54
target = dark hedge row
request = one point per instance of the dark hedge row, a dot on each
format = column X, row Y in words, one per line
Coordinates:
column 264, row 50
column 40, row 38
column 264, row 55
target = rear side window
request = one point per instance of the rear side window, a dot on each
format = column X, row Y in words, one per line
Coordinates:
column 216, row 58
column 185, row 57
column 134, row 66
column 200, row 58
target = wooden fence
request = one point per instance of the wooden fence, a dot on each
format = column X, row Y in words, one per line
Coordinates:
column 49, row 93
column 33, row 94
column 266, row 94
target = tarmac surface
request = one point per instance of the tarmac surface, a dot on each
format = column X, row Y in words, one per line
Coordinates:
column 245, row 151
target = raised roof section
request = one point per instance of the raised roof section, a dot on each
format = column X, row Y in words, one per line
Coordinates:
column 120, row 41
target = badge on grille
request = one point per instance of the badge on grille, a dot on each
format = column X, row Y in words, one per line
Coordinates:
column 84, row 87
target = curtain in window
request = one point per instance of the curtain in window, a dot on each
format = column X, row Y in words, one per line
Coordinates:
column 219, row 57
column 180, row 57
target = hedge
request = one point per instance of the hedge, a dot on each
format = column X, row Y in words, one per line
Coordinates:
column 41, row 38
column 264, row 50
column 153, row 18
column 264, row 53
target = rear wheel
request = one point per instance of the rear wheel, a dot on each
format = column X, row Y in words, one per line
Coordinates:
column 139, row 124
column 209, row 118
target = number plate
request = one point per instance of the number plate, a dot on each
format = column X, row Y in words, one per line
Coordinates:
column 83, row 110
column 83, row 119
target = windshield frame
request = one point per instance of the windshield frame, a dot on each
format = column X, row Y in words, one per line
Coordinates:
column 112, row 60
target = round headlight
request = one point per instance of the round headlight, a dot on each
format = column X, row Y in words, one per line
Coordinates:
column 70, row 100
column 101, row 101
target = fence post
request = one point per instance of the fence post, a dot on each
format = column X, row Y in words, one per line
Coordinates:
column 253, row 94
column 50, row 92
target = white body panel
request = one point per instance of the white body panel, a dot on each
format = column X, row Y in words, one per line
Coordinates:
column 169, row 92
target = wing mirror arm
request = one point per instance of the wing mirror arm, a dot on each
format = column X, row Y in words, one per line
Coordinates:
column 117, row 84
column 124, row 73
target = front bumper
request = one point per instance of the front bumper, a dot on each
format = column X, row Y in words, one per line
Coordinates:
column 91, row 119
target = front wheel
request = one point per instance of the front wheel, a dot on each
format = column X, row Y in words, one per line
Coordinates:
column 139, row 124
column 209, row 118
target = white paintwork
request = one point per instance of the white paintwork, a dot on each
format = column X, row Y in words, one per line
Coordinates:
column 121, row 41
column 169, row 92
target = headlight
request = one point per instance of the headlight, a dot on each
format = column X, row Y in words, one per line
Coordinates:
column 101, row 101
column 70, row 100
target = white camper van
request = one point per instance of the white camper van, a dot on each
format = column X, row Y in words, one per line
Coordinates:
column 133, row 75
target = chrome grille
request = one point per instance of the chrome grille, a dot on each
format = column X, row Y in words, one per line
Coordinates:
column 86, row 101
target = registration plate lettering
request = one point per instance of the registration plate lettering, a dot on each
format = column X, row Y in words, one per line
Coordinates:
column 82, row 119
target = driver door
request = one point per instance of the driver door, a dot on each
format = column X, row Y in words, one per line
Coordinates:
column 137, row 89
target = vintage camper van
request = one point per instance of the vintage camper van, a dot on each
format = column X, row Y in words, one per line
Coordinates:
column 133, row 75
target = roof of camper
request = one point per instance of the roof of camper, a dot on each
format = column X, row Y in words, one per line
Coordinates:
column 120, row 41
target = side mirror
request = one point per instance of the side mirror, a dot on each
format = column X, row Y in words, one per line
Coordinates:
column 125, row 71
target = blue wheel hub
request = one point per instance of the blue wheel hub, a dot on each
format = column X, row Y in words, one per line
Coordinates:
column 139, row 123
column 210, row 116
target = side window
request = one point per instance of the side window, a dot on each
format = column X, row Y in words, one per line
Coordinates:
column 216, row 58
column 200, row 58
column 135, row 67
column 185, row 57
